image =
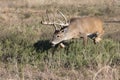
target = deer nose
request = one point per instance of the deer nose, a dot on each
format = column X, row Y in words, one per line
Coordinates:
column 52, row 43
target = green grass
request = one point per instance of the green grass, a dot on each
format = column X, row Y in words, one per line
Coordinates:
column 25, row 48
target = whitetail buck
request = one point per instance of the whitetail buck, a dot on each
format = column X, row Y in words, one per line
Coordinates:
column 78, row 27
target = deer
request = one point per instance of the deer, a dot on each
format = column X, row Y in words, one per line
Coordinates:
column 76, row 27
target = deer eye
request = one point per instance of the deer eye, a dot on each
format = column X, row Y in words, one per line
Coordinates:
column 62, row 30
column 58, row 36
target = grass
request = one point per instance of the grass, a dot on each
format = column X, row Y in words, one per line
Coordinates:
column 23, row 48
column 26, row 54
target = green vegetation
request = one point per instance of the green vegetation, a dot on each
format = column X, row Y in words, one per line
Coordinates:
column 25, row 48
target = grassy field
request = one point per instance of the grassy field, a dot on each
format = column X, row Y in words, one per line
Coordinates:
column 25, row 51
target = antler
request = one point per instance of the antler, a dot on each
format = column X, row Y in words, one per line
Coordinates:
column 53, row 22
column 49, row 21
column 66, row 23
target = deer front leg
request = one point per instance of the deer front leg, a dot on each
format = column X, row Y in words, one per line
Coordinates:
column 98, row 38
column 62, row 45
column 85, row 40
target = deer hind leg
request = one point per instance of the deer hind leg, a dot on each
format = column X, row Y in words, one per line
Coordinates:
column 98, row 38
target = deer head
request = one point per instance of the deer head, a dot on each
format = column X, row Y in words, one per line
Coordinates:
column 59, row 33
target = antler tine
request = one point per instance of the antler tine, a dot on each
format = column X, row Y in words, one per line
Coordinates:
column 43, row 20
column 63, row 17
column 60, row 21
column 55, row 26
column 47, row 16
column 48, row 19
column 54, row 22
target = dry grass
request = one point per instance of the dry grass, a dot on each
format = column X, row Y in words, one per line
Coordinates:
column 37, row 3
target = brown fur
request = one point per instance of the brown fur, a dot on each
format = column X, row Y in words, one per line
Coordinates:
column 80, row 27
